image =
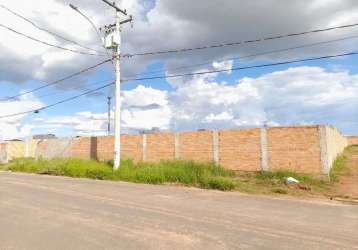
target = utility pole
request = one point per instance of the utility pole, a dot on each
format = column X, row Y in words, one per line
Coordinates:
column 112, row 41
column 109, row 115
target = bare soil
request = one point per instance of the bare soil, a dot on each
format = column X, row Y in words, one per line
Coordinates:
column 347, row 184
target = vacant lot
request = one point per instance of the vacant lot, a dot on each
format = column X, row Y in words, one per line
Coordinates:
column 345, row 174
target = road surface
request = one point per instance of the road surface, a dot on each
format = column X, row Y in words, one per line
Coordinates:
column 44, row 212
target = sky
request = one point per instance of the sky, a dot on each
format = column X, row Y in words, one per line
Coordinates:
column 316, row 92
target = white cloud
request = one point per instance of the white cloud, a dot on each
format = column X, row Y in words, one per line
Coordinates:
column 301, row 95
column 296, row 95
column 143, row 109
column 165, row 25
column 15, row 127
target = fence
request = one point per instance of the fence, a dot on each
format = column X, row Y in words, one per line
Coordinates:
column 306, row 149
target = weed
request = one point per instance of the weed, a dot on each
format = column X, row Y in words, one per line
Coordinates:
column 187, row 173
column 279, row 191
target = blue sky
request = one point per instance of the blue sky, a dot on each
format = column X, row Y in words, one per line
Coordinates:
column 321, row 92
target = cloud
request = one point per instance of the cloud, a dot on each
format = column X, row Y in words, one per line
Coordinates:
column 143, row 109
column 16, row 126
column 161, row 25
column 299, row 95
column 296, row 95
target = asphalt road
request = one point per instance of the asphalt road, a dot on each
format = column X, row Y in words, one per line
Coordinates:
column 43, row 212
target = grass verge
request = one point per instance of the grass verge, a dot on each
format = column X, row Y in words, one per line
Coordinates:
column 340, row 166
column 185, row 173
column 275, row 183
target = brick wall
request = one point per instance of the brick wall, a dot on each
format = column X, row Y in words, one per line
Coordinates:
column 196, row 146
column 352, row 140
column 306, row 149
column 105, row 148
column 132, row 147
column 84, row 148
column 294, row 148
column 240, row 149
column 160, row 147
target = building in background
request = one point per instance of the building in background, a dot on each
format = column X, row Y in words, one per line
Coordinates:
column 43, row 137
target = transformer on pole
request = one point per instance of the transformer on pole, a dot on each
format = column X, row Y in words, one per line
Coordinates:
column 112, row 40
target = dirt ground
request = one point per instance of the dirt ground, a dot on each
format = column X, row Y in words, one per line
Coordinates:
column 347, row 184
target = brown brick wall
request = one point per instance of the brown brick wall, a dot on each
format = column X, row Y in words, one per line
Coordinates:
column 160, row 147
column 102, row 148
column 196, row 146
column 84, row 148
column 294, row 148
column 352, row 140
column 132, row 147
column 105, row 148
column 240, row 149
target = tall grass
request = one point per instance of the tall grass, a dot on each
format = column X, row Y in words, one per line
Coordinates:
column 185, row 173
column 340, row 166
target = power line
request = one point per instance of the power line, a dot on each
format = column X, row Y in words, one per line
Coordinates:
column 181, row 75
column 57, row 81
column 49, row 44
column 252, row 55
column 76, row 88
column 240, row 42
column 58, row 103
column 92, row 24
column 242, row 68
column 46, row 30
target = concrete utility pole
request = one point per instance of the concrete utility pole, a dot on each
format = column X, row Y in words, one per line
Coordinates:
column 112, row 41
column 109, row 115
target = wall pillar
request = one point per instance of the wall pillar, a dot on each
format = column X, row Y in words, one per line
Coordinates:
column 264, row 151
column 177, row 146
column 216, row 157
column 325, row 168
column 4, row 156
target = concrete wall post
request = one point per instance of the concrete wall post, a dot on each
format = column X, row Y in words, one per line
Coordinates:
column 216, row 156
column 144, row 147
column 325, row 168
column 177, row 146
column 264, row 151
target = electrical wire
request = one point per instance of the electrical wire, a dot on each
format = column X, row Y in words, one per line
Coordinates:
column 93, row 26
column 181, row 75
column 46, row 30
column 242, row 68
column 57, row 103
column 76, row 88
column 251, row 55
column 240, row 42
column 49, row 44
column 57, row 81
